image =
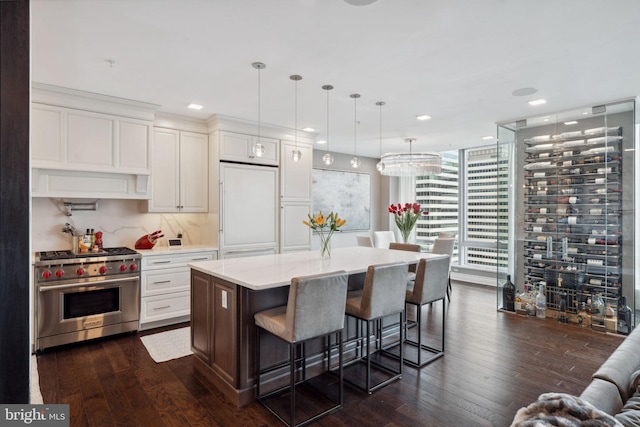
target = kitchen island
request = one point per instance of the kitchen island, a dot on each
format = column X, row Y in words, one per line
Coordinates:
column 225, row 294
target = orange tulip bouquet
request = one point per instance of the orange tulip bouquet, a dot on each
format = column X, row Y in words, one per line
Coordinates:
column 325, row 226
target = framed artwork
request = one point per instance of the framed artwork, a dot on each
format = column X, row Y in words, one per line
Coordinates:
column 347, row 193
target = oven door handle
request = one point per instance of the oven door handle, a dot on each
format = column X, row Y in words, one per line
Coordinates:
column 47, row 288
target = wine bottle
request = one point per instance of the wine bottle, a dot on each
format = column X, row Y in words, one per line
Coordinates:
column 509, row 295
column 605, row 190
column 597, row 310
column 570, row 200
column 571, row 190
column 570, row 181
column 624, row 316
column 562, row 315
column 571, row 171
column 541, row 303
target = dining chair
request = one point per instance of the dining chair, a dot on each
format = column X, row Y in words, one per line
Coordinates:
column 383, row 294
column 364, row 241
column 447, row 235
column 315, row 309
column 429, row 286
column 410, row 247
column 445, row 247
column 381, row 239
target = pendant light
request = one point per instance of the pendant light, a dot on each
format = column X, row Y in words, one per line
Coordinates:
column 258, row 148
column 327, row 159
column 295, row 153
column 411, row 164
column 380, row 165
column 355, row 161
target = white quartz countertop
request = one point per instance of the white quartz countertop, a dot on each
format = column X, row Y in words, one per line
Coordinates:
column 165, row 250
column 271, row 271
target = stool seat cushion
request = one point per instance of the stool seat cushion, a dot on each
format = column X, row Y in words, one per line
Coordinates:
column 352, row 306
column 273, row 320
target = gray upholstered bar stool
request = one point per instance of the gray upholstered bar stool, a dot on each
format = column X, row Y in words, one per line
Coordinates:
column 383, row 294
column 430, row 286
column 442, row 245
column 315, row 308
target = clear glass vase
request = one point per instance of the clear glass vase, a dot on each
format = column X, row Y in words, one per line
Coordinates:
column 325, row 246
column 406, row 236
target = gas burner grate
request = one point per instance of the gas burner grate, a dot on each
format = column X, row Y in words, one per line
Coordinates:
column 123, row 250
column 51, row 255
column 67, row 254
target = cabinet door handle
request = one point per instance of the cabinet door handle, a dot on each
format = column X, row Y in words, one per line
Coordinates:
column 221, row 217
column 162, row 281
column 199, row 259
column 162, row 308
column 161, row 262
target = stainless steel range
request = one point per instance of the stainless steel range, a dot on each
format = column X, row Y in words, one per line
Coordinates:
column 85, row 296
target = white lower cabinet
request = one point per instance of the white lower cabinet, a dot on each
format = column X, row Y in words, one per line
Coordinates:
column 172, row 306
column 165, row 286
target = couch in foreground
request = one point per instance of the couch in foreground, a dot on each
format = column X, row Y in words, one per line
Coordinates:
column 611, row 399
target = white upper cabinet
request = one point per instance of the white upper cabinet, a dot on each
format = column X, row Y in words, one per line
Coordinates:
column 295, row 177
column 85, row 145
column 76, row 140
column 237, row 147
column 179, row 171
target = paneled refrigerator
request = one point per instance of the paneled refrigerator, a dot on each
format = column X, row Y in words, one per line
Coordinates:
column 248, row 223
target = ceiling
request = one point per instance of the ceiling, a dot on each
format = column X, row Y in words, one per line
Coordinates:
column 457, row 60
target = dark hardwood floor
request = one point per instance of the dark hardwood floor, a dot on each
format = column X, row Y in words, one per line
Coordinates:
column 494, row 363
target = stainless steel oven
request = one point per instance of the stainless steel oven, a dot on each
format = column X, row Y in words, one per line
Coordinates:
column 86, row 296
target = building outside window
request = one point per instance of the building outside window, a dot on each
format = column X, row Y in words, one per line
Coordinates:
column 473, row 218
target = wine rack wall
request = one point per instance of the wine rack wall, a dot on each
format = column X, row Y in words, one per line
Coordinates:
column 572, row 219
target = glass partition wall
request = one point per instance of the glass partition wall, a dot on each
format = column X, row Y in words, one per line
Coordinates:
column 571, row 236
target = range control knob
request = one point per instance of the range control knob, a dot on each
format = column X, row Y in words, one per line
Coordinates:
column 80, row 271
column 59, row 273
column 133, row 267
column 103, row 269
column 123, row 267
column 46, row 274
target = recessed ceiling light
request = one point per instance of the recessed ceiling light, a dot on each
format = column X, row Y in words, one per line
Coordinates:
column 524, row 91
column 572, row 122
column 538, row 101
column 584, row 113
column 195, row 106
column 487, row 137
column 307, row 129
column 423, row 117
column 321, row 141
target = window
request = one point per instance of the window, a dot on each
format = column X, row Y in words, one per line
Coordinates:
column 475, row 217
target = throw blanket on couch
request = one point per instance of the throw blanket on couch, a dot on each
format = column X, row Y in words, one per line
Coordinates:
column 562, row 410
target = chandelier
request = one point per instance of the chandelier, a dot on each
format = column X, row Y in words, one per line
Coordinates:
column 410, row 164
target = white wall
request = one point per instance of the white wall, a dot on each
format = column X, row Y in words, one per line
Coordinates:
column 121, row 221
column 379, row 196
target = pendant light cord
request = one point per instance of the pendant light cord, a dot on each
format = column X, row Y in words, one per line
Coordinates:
column 355, row 97
column 296, row 153
column 380, row 104
column 355, row 127
column 327, row 88
column 259, row 135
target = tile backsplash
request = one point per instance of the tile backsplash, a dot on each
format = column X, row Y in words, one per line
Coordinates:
column 122, row 222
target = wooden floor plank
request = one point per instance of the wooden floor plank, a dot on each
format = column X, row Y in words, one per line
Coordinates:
column 494, row 364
